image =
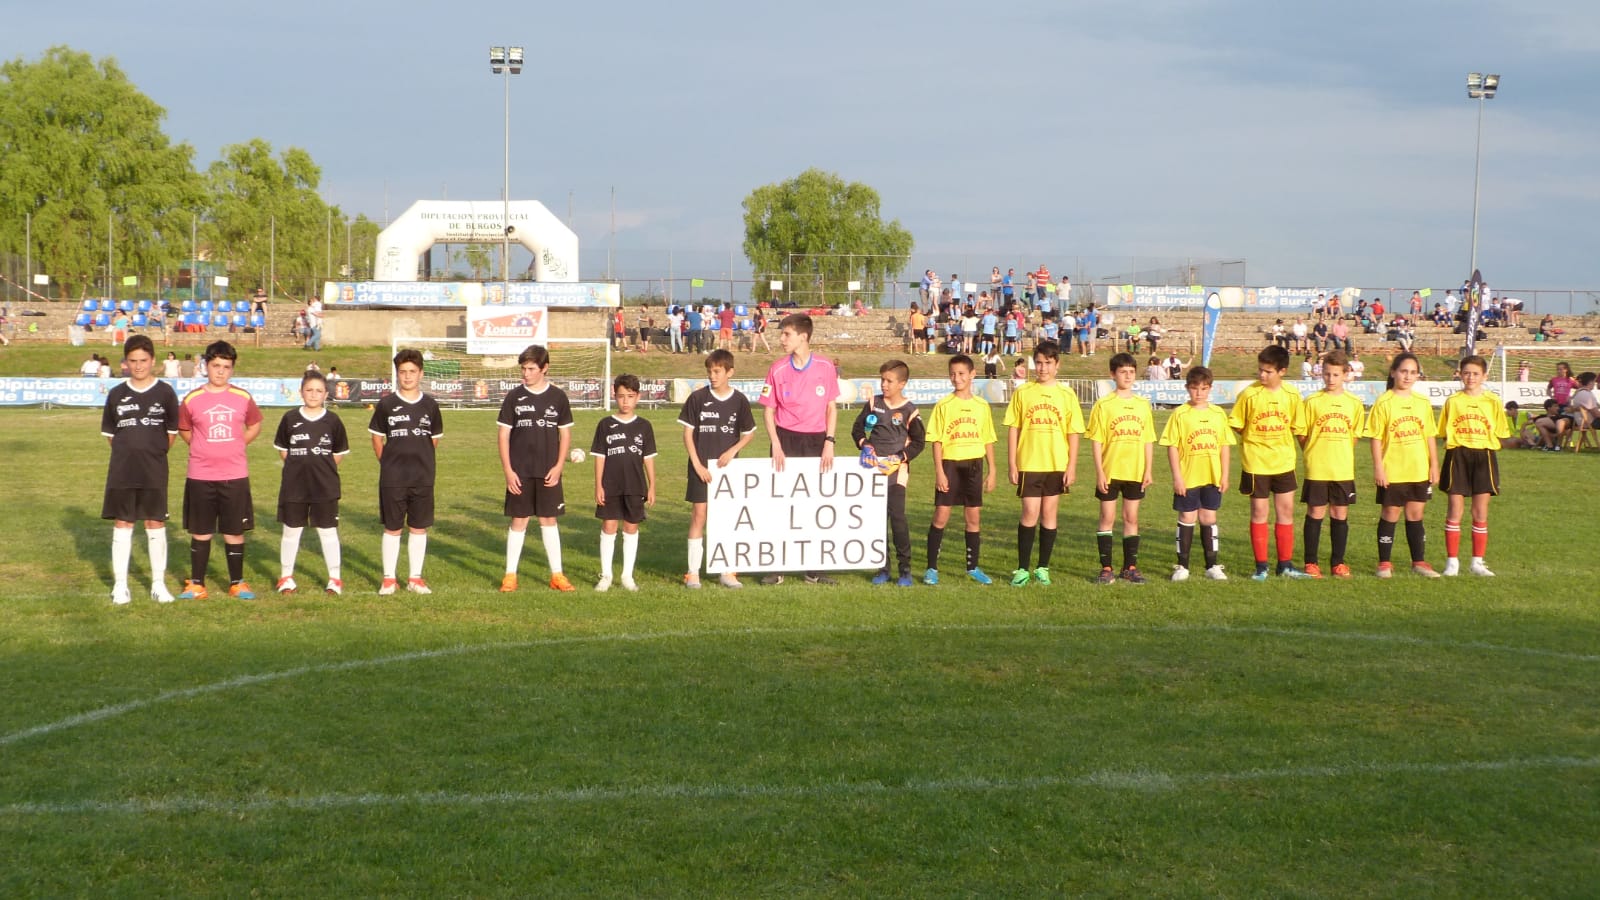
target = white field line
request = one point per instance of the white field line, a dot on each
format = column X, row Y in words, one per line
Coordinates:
column 241, row 681
column 1143, row 781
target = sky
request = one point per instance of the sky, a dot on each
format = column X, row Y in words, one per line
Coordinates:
column 1322, row 144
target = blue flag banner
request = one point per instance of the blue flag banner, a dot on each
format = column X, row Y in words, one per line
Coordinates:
column 1209, row 339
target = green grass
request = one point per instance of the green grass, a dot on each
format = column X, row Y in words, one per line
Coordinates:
column 1350, row 739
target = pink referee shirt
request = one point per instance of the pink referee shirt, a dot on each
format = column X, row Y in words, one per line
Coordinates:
column 219, row 420
column 799, row 396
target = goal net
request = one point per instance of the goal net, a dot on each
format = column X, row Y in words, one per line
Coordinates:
column 1507, row 365
column 579, row 366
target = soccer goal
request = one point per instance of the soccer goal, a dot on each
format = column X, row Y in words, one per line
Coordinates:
column 1541, row 359
column 579, row 366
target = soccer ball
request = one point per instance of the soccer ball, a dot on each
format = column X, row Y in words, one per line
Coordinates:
column 886, row 465
column 576, row 456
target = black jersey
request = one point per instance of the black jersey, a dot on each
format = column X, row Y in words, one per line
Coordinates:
column 894, row 429
column 409, row 430
column 140, row 425
column 535, row 420
column 625, row 446
column 310, row 472
column 718, row 422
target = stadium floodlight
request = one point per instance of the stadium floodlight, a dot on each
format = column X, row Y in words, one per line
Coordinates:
column 1480, row 87
column 497, row 59
column 507, row 60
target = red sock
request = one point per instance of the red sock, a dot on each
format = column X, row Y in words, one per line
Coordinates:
column 1452, row 539
column 1258, row 541
column 1285, row 535
column 1480, row 538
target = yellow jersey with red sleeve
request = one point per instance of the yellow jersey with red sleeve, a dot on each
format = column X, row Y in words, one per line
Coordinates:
column 964, row 427
column 1331, row 425
column 1475, row 422
column 1403, row 425
column 1267, row 420
column 1199, row 435
column 1122, row 426
column 1043, row 414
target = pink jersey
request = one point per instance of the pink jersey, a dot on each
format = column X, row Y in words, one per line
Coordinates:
column 799, row 396
column 218, row 421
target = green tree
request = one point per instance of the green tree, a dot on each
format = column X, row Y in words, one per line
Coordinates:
column 266, row 218
column 81, row 152
column 823, row 233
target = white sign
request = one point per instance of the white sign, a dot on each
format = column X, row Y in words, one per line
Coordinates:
column 853, row 286
column 220, row 280
column 776, row 285
column 506, row 329
column 797, row 520
column 41, row 279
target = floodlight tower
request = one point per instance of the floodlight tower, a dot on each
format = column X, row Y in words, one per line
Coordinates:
column 1480, row 87
column 506, row 60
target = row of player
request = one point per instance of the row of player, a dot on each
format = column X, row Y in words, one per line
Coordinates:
column 1044, row 423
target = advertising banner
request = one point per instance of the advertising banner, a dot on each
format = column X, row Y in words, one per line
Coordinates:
column 506, row 330
column 800, row 519
column 456, row 294
column 1281, row 298
column 1209, row 329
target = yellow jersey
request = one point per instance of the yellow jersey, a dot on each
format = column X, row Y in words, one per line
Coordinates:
column 1122, row 426
column 1403, row 426
column 964, row 426
column 1331, row 425
column 1477, row 422
column 1043, row 414
column 1199, row 435
column 1266, row 421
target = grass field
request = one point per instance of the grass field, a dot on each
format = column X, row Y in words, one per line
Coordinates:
column 1364, row 738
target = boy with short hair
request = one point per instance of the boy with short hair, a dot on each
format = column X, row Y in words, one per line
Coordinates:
column 801, row 399
column 406, row 427
column 1044, row 421
column 717, row 424
column 311, row 441
column 1330, row 425
column 1122, row 434
column 961, row 430
column 890, row 426
column 624, row 450
column 1197, row 438
column 140, row 422
column 218, row 421
column 535, row 436
column 1472, row 425
column 1266, row 415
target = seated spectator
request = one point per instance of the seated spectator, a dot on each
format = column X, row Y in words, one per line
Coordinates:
column 1547, row 328
column 1319, row 336
column 1553, row 425
column 1524, row 435
column 1585, row 404
column 1152, row 334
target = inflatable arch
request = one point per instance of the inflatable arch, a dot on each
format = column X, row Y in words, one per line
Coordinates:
column 428, row 222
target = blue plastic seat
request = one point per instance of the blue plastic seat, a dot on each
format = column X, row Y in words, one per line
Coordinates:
column 240, row 320
column 219, row 321
column 741, row 311
column 205, row 306
column 84, row 319
column 102, row 320
column 258, row 320
column 223, row 306
column 140, row 320
column 143, row 306
column 108, row 305
column 125, row 306
column 90, row 306
column 188, row 306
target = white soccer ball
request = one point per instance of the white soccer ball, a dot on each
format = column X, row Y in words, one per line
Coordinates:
column 577, row 455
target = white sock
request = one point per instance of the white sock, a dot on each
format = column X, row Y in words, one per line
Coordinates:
column 330, row 551
column 288, row 549
column 697, row 555
column 551, row 535
column 416, row 552
column 608, row 553
column 156, row 540
column 121, row 550
column 630, row 552
column 391, row 554
column 514, row 539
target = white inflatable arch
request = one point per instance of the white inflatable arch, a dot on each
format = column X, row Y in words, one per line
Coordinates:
column 428, row 222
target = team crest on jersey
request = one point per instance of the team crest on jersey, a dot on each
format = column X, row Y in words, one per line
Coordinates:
column 820, row 391
column 766, row 390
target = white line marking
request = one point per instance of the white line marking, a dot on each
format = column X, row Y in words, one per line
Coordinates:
column 1143, row 781
column 108, row 712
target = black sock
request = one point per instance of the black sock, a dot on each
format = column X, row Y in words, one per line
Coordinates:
column 935, row 540
column 1339, row 537
column 1102, row 542
column 1386, row 540
column 1047, row 545
column 1185, row 543
column 974, row 543
column 1313, row 531
column 1130, row 551
column 1024, row 545
column 199, row 558
column 235, row 555
column 1210, row 546
column 1417, row 540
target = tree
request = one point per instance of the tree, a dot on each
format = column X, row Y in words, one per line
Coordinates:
column 81, row 152
column 823, row 233
column 266, row 216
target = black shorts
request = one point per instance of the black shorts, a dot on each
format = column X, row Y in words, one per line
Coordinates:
column 1206, row 496
column 1469, row 470
column 1328, row 493
column 320, row 514
column 695, row 490
column 1260, row 487
column 406, row 505
column 212, row 507
column 965, row 477
column 801, row 443
column 536, row 500
column 1401, row 493
column 627, row 507
column 1127, row 490
column 135, row 504
column 1042, row 484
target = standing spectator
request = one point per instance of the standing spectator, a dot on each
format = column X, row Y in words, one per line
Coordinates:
column 646, row 324
column 1562, row 385
column 994, row 283
column 619, row 331
column 1041, row 281
column 186, row 368
column 170, row 367
column 675, row 328
column 1416, row 304
column 1524, row 372
column 1155, row 371
column 758, row 331
column 1008, row 290
column 314, row 324
column 725, row 327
